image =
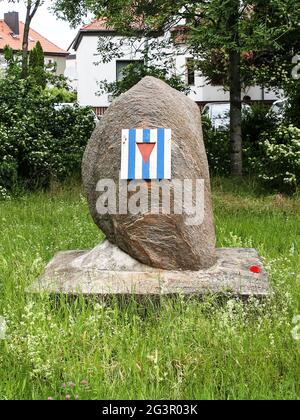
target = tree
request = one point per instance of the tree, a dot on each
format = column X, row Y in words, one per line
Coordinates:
column 37, row 66
column 235, row 30
column 32, row 7
column 135, row 72
column 38, row 142
column 153, row 58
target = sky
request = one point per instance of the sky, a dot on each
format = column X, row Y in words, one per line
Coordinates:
column 44, row 22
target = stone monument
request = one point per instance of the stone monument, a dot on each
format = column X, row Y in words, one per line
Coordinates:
column 146, row 178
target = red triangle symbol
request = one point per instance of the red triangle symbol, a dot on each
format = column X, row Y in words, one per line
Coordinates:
column 146, row 149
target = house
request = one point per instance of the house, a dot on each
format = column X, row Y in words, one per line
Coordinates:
column 90, row 73
column 71, row 71
column 11, row 33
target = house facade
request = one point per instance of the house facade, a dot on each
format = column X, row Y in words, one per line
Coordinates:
column 11, row 33
column 90, row 72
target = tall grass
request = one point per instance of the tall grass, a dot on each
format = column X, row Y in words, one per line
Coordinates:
column 167, row 349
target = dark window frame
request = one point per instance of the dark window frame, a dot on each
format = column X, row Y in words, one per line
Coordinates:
column 191, row 72
column 127, row 62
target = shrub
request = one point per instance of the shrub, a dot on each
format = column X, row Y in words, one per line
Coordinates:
column 217, row 144
column 37, row 142
column 271, row 152
column 256, row 121
column 62, row 95
column 279, row 163
column 292, row 112
column 4, row 195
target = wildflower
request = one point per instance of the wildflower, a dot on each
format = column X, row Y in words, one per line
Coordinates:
column 84, row 382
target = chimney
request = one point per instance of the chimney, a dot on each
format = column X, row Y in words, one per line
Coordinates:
column 12, row 20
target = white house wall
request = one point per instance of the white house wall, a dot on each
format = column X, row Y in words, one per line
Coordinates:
column 89, row 74
column 71, row 73
column 59, row 61
column 205, row 92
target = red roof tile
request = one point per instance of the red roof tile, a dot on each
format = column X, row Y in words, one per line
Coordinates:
column 97, row 25
column 15, row 42
column 100, row 25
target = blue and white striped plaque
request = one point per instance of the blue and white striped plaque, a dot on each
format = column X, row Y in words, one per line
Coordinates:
column 146, row 154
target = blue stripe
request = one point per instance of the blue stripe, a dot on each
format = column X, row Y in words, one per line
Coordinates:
column 146, row 166
column 131, row 154
column 160, row 153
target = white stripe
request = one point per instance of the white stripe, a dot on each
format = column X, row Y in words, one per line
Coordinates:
column 153, row 157
column 124, row 154
column 138, row 155
column 168, row 154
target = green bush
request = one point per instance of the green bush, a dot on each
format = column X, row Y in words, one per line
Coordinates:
column 278, row 165
column 62, row 95
column 256, row 121
column 271, row 152
column 37, row 142
column 217, row 146
column 292, row 112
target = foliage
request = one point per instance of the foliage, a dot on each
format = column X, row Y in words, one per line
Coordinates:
column 13, row 67
column 271, row 152
column 32, row 7
column 134, row 72
column 4, row 195
column 292, row 114
column 62, row 95
column 155, row 59
column 37, row 142
column 268, row 32
column 278, row 165
column 228, row 40
column 257, row 120
column 37, row 66
column 217, row 146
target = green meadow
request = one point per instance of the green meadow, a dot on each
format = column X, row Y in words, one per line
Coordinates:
column 174, row 348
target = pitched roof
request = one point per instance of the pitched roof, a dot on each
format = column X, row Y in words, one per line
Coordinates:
column 96, row 25
column 100, row 26
column 15, row 41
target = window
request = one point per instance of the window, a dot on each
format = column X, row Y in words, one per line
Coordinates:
column 179, row 35
column 190, row 64
column 121, row 65
column 50, row 65
column 3, row 62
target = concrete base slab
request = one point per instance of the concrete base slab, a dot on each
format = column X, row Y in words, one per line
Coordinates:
column 106, row 270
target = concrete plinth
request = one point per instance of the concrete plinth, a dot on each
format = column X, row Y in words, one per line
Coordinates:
column 106, row 270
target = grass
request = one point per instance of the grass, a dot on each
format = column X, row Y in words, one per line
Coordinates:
column 171, row 349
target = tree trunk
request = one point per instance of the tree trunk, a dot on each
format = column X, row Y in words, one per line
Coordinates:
column 32, row 7
column 235, row 113
column 235, row 86
column 25, row 42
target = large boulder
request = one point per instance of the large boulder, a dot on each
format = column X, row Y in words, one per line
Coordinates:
column 163, row 241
